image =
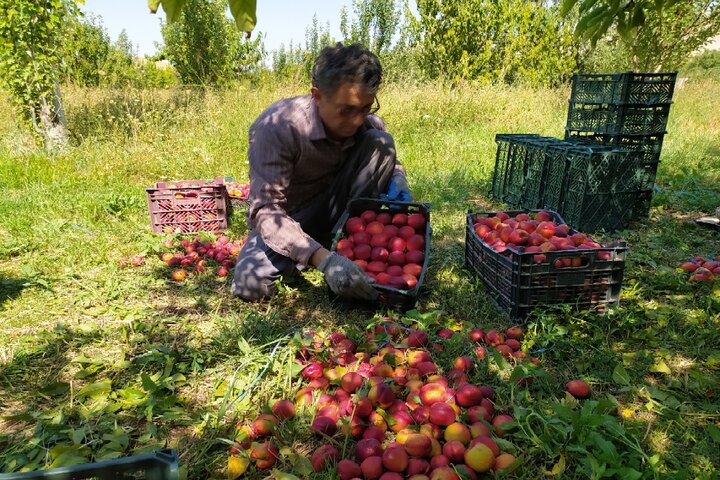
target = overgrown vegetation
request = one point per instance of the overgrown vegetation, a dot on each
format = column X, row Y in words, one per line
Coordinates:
column 99, row 361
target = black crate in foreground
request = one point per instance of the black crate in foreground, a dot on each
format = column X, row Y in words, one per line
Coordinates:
column 389, row 297
column 161, row 465
column 520, row 281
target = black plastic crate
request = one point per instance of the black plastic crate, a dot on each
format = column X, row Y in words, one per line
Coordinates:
column 161, row 465
column 389, row 297
column 520, row 164
column 618, row 119
column 509, row 174
column 594, row 187
column 518, row 283
column 650, row 146
column 623, row 88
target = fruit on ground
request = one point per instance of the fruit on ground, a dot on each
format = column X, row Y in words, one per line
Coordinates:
column 479, row 457
column 578, row 389
column 323, row 457
column 283, row 409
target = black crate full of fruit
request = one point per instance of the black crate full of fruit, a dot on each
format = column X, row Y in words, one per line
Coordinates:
column 188, row 206
column 531, row 258
column 390, row 241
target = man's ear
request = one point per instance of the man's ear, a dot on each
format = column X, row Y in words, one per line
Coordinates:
column 315, row 92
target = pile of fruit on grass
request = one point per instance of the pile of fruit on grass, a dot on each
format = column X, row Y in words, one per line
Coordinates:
column 702, row 269
column 186, row 257
column 389, row 247
column 380, row 408
column 537, row 232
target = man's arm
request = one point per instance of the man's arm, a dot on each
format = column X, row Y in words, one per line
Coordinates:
column 271, row 168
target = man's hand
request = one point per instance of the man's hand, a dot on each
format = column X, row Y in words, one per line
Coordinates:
column 346, row 278
column 398, row 190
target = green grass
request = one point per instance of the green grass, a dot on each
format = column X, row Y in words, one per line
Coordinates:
column 178, row 355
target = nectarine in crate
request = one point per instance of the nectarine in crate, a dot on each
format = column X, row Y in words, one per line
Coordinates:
column 536, row 259
column 391, row 241
column 188, row 206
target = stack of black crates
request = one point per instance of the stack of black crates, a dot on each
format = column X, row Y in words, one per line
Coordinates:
column 601, row 176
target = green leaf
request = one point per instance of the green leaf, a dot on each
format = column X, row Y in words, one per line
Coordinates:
column 153, row 5
column 55, row 389
column 173, row 9
column 714, row 432
column 244, row 12
column 620, row 375
column 68, row 455
column 566, row 6
column 660, row 367
column 97, row 389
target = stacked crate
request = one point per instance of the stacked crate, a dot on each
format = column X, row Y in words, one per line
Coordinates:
column 601, row 176
column 626, row 110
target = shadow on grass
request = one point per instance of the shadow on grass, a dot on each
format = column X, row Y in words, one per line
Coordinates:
column 11, row 288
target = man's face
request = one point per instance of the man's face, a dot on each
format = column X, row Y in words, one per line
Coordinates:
column 343, row 112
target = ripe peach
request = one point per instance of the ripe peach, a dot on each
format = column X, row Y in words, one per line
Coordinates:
column 416, row 242
column 465, row 472
column 395, row 459
column 476, row 335
column 381, row 395
column 416, row 220
column 417, row 466
column 442, row 414
column 503, row 461
column 499, row 422
column 368, row 216
column 379, row 240
column 304, row 396
column 415, row 357
column 444, row 473
column 454, row 451
column 178, row 275
column 478, row 413
column 412, row 269
column 283, row 409
column 417, row 339
column 462, row 363
column 430, row 430
column 399, row 421
column 399, row 219
column 265, row 455
column 488, row 442
column 351, row 381
column 421, row 414
column 418, row 445
column 457, row 431
column 479, row 428
column 354, row 225
column 415, row 256
column 468, row 395
column 391, row 476
column 406, row 232
column 578, row 389
column 379, row 254
column 374, row 227
column 324, row 425
column 347, row 470
column 479, row 457
column 427, row 368
column 391, row 231
column 368, row 447
column 323, row 457
column 265, row 424
column 396, row 257
column 439, row 460
column 372, row 467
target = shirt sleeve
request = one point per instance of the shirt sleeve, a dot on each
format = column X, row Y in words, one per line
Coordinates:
column 378, row 123
column 272, row 161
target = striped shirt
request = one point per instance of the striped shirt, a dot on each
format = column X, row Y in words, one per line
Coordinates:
column 292, row 161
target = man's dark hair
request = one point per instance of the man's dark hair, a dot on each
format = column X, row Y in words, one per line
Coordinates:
column 347, row 64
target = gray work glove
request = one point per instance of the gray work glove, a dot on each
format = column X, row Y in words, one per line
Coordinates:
column 346, row 278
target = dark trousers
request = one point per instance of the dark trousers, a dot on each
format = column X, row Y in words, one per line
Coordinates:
column 369, row 166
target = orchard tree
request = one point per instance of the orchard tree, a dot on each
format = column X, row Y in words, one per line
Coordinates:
column 30, row 34
column 374, row 24
column 658, row 34
column 494, row 40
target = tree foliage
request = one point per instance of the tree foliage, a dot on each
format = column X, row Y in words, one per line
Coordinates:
column 659, row 34
column 244, row 11
column 374, row 24
column 205, row 47
column 30, row 33
column 503, row 40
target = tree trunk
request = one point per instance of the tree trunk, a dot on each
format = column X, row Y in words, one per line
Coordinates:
column 53, row 126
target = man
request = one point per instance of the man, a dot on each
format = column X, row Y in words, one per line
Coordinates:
column 308, row 156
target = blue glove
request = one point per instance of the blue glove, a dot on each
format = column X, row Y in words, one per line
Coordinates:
column 397, row 190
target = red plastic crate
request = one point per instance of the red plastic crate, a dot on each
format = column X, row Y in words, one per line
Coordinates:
column 518, row 283
column 188, row 206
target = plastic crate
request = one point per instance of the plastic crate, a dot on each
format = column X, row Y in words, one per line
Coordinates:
column 623, row 88
column 618, row 119
column 188, row 206
column 161, row 465
column 648, row 149
column 520, row 166
column 518, row 284
column 388, row 297
column 592, row 187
